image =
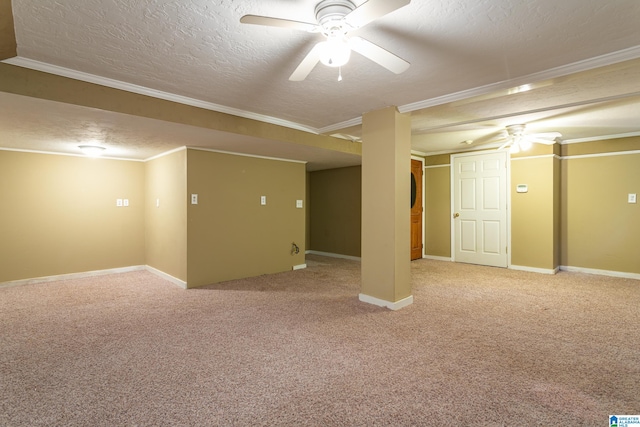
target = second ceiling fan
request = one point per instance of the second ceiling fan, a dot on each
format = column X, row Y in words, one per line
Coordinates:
column 335, row 19
column 516, row 139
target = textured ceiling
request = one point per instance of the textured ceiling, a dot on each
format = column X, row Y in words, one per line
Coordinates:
column 57, row 127
column 458, row 49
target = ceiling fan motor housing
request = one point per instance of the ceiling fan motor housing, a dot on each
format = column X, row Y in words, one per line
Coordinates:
column 330, row 14
column 515, row 130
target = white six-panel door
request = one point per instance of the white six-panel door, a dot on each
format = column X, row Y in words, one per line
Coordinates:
column 480, row 208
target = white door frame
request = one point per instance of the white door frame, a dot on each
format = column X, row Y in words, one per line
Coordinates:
column 424, row 245
column 508, row 199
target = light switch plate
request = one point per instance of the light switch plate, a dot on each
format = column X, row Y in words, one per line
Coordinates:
column 632, row 198
column 299, row 204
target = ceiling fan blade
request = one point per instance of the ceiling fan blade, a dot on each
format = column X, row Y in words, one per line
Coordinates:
column 378, row 55
column 372, row 10
column 491, row 138
column 307, row 64
column 277, row 22
column 505, row 145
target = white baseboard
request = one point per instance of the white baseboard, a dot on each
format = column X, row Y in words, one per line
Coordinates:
column 601, row 272
column 390, row 305
column 71, row 276
column 437, row 258
column 535, row 269
column 299, row 267
column 332, row 255
column 166, row 276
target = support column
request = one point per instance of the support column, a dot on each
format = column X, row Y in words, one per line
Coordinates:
column 386, row 208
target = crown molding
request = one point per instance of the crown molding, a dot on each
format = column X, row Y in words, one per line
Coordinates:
column 600, row 138
column 585, row 65
column 576, row 67
column 142, row 90
column 59, row 153
column 342, row 125
column 166, row 153
column 255, row 156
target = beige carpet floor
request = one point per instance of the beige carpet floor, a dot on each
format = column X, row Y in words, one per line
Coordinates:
column 480, row 346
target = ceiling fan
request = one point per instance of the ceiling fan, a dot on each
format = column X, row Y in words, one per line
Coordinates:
column 335, row 19
column 516, row 138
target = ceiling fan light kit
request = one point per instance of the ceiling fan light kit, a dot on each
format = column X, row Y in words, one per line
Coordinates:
column 334, row 52
column 518, row 141
column 335, row 19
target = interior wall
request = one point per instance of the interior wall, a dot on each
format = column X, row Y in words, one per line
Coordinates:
column 59, row 214
column 600, row 229
column 230, row 234
column 336, row 210
column 307, row 210
column 533, row 214
column 166, row 214
column 575, row 214
column 8, row 45
column 437, row 195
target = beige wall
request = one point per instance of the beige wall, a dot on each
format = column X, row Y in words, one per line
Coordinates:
column 534, row 214
column 600, row 230
column 437, row 201
column 575, row 213
column 335, row 207
column 166, row 214
column 229, row 234
column 58, row 215
column 307, row 210
column 8, row 46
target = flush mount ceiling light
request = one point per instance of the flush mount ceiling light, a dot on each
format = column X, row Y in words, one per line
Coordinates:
column 91, row 150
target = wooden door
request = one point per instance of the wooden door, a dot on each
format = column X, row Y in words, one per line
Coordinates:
column 480, row 208
column 416, row 209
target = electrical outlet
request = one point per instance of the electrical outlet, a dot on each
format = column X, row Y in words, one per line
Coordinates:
column 194, row 199
column 632, row 198
column 125, row 202
column 263, row 200
column 299, row 204
column 119, row 203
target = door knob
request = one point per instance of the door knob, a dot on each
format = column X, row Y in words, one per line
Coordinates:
column 456, row 215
